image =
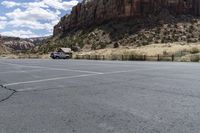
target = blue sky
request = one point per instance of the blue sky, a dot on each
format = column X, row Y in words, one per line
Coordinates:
column 32, row 18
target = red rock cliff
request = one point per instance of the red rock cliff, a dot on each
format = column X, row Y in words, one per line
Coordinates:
column 91, row 12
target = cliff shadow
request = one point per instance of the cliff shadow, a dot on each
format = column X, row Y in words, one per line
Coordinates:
column 162, row 28
column 122, row 28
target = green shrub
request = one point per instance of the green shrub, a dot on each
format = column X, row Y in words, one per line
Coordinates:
column 194, row 50
column 144, row 43
column 116, row 45
column 102, row 45
column 194, row 58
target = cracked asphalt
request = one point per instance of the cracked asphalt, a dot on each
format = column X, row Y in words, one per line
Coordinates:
column 79, row 96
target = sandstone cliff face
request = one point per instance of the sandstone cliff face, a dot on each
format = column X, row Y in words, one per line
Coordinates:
column 92, row 12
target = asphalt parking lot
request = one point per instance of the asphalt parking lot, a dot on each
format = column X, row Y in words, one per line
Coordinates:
column 79, row 96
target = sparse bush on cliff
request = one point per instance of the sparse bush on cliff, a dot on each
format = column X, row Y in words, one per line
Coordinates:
column 116, row 45
column 194, row 58
column 194, row 50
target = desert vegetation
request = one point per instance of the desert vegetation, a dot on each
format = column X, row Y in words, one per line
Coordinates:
column 161, row 52
column 163, row 35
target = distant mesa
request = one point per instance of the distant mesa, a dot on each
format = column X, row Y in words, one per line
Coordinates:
column 16, row 44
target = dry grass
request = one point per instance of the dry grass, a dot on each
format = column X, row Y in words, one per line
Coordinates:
column 184, row 52
column 181, row 51
column 24, row 56
column 8, row 56
column 149, row 50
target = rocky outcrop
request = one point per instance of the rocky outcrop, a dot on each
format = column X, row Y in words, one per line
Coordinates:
column 16, row 44
column 93, row 12
column 2, row 47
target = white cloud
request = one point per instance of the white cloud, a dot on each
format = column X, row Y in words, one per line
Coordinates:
column 35, row 15
column 20, row 33
column 59, row 4
column 10, row 4
column 31, row 18
column 2, row 18
column 35, row 4
column 70, row 4
column 3, row 22
column 34, row 18
column 53, row 3
column 56, row 4
column 34, row 25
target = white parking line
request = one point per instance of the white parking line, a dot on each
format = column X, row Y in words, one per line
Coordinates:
column 49, row 68
column 79, row 76
column 27, row 89
column 22, row 71
column 135, row 70
column 50, row 79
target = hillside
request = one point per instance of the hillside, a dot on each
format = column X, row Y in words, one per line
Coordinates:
column 99, row 24
column 2, row 49
column 163, row 28
column 16, row 44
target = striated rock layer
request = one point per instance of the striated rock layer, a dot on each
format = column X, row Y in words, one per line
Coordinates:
column 91, row 12
column 16, row 44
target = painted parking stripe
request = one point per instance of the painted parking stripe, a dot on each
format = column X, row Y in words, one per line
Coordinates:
column 22, row 71
column 49, row 68
column 49, row 79
column 79, row 76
